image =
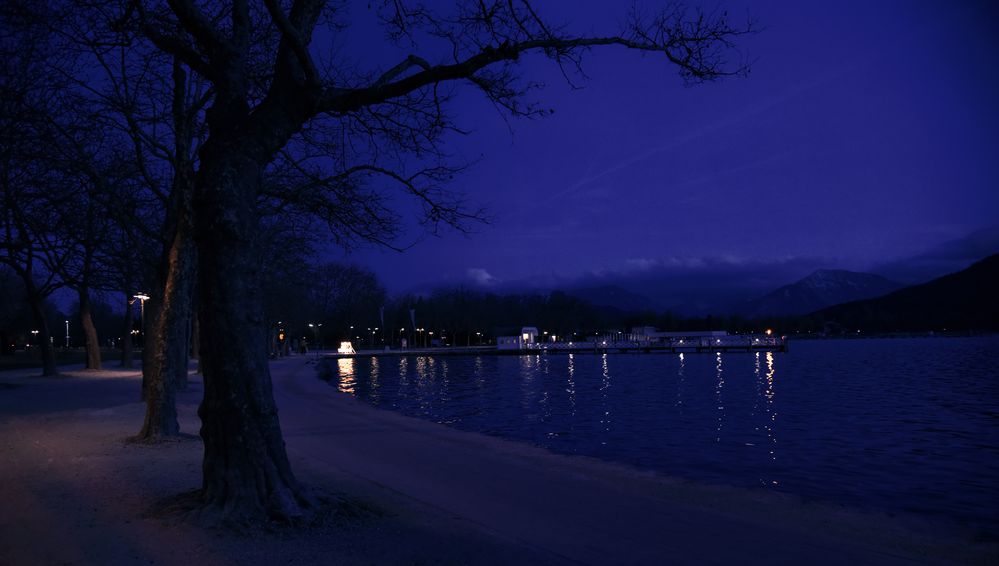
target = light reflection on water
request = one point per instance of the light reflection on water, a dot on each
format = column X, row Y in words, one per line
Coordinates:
column 891, row 424
column 720, row 380
column 345, row 369
column 771, row 413
column 680, row 384
column 605, row 419
column 570, row 370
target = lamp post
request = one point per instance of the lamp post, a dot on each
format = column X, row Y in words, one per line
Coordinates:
column 67, row 334
column 34, row 337
column 142, row 297
column 315, row 332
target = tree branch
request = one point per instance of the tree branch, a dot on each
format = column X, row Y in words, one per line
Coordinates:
column 291, row 35
column 198, row 26
column 176, row 46
column 340, row 100
column 408, row 62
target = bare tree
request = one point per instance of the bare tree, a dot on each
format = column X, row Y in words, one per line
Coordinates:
column 28, row 96
column 168, row 351
column 92, row 171
column 151, row 100
column 270, row 93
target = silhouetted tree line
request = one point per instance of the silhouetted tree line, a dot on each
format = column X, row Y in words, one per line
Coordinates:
column 461, row 313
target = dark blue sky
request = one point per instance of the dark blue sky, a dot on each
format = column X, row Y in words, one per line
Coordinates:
column 868, row 132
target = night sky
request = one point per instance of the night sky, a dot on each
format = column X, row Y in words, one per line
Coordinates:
column 867, row 133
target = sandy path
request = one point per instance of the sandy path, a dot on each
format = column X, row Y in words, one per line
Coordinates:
column 72, row 492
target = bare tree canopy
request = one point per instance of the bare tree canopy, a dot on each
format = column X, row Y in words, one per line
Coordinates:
column 365, row 125
column 240, row 114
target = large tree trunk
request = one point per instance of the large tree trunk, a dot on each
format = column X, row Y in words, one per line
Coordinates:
column 150, row 309
column 166, row 357
column 245, row 471
column 126, row 340
column 195, row 335
column 181, row 354
column 175, row 315
column 90, row 340
column 44, row 334
column 167, row 346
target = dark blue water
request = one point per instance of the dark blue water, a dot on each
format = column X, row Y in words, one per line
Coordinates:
column 888, row 424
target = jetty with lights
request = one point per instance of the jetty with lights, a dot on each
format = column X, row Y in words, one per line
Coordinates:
column 643, row 340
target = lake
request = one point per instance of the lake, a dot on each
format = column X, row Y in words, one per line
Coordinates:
column 887, row 424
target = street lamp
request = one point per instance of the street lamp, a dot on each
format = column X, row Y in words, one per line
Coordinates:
column 315, row 332
column 142, row 297
column 67, row 334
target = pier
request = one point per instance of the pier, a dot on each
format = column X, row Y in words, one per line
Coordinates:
column 703, row 344
column 729, row 343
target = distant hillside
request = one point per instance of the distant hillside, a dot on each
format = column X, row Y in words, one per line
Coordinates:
column 966, row 300
column 823, row 288
column 616, row 298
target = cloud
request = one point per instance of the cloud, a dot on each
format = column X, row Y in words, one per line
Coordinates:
column 481, row 277
column 689, row 264
column 689, row 285
column 944, row 258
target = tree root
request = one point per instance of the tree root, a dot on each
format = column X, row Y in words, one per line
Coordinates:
column 156, row 439
column 323, row 511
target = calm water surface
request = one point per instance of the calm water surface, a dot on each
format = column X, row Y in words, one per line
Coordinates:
column 890, row 424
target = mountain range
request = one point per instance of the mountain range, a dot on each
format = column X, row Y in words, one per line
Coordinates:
column 836, row 299
column 965, row 300
column 823, row 288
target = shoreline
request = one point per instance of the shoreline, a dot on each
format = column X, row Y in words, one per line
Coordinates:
column 445, row 495
column 831, row 465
